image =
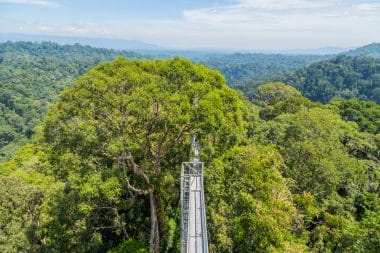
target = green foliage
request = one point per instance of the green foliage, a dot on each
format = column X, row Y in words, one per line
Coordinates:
column 129, row 246
column 272, row 93
column 18, row 211
column 376, row 95
column 340, row 77
column 33, row 74
column 288, row 106
column 335, row 168
column 292, row 176
column 119, row 135
column 366, row 114
column 31, row 77
column 248, row 70
column 249, row 202
column 25, row 199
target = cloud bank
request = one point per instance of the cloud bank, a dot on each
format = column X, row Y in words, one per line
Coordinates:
column 240, row 24
column 44, row 3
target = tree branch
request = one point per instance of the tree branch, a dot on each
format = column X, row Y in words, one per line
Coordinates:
column 179, row 137
column 135, row 167
column 137, row 190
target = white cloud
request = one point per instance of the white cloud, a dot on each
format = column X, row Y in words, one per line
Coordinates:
column 242, row 24
column 369, row 6
column 283, row 4
column 280, row 15
column 245, row 11
column 80, row 29
column 45, row 3
column 45, row 28
column 263, row 24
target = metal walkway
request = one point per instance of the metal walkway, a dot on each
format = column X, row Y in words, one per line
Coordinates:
column 193, row 220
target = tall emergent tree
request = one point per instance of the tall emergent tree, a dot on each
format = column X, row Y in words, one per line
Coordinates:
column 118, row 137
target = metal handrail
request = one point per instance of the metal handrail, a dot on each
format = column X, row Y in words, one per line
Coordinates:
column 192, row 216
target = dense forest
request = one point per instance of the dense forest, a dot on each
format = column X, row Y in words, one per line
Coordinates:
column 246, row 70
column 340, row 77
column 33, row 74
column 31, row 77
column 102, row 170
column 92, row 150
column 240, row 68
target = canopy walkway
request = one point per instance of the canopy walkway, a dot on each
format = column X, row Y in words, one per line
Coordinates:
column 193, row 211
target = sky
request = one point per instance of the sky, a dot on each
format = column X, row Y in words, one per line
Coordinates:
column 208, row 24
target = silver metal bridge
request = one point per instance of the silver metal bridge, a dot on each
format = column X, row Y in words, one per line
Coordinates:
column 193, row 211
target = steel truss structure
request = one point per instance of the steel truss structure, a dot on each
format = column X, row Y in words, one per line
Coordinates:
column 193, row 211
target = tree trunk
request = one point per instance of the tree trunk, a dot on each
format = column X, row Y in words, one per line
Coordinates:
column 154, row 242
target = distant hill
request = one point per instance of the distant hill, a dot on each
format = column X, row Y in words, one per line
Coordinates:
column 341, row 77
column 95, row 42
column 317, row 51
column 368, row 50
column 352, row 74
column 241, row 68
column 31, row 77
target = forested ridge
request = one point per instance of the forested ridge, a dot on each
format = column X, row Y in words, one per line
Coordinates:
column 372, row 50
column 240, row 68
column 101, row 171
column 31, row 77
column 340, row 77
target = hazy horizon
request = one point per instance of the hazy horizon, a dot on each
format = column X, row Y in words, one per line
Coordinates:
column 194, row 24
column 70, row 40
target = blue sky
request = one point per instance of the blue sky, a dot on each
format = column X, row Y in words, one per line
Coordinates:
column 232, row 24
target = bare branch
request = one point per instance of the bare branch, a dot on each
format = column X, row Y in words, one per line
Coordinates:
column 137, row 190
column 135, row 167
column 106, row 227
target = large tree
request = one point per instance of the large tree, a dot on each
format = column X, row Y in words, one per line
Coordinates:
column 126, row 124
